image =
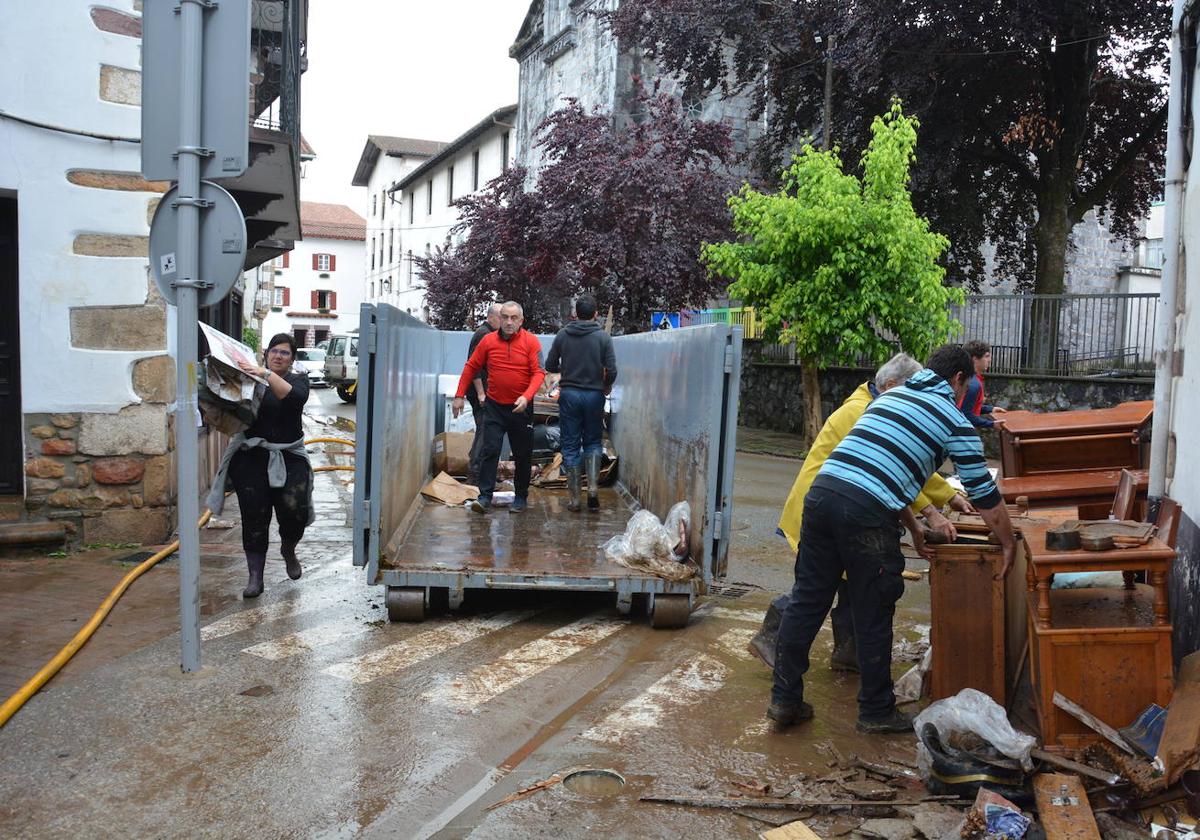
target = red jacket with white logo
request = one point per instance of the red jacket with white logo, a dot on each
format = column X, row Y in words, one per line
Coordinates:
column 513, row 368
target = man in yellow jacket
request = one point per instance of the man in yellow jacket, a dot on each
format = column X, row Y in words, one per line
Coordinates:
column 936, row 493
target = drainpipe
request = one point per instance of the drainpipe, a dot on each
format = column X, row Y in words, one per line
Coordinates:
column 1164, row 349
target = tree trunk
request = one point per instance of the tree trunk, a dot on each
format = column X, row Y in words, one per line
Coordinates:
column 813, row 419
column 1051, row 236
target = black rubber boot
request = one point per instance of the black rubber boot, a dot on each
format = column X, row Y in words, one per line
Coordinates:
column 789, row 715
column 574, row 482
column 288, row 550
column 844, row 657
column 255, row 563
column 894, row 724
column 593, row 480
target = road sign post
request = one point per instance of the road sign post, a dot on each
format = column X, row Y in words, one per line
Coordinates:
column 209, row 104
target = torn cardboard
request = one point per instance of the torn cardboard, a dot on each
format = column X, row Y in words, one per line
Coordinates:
column 449, row 491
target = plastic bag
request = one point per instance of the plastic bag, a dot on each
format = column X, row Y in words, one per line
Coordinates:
column 648, row 546
column 975, row 712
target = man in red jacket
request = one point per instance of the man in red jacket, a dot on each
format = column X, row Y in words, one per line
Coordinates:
column 514, row 371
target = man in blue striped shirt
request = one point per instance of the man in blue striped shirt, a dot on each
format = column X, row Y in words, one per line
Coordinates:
column 851, row 524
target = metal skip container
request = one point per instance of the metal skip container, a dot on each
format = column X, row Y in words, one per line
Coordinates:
column 673, row 425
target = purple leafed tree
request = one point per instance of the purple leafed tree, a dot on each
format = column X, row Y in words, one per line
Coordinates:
column 620, row 211
column 1033, row 112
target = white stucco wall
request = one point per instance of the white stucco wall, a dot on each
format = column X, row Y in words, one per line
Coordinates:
column 51, row 67
column 388, row 171
column 430, row 229
column 300, row 278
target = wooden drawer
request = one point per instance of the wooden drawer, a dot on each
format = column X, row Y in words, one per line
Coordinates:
column 1103, row 652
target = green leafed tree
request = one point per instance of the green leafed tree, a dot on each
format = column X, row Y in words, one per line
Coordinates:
column 840, row 264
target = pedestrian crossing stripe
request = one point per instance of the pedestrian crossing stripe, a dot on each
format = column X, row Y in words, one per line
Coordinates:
column 397, row 657
column 686, row 685
column 492, row 679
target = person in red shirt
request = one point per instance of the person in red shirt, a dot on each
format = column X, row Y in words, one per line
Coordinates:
column 514, row 373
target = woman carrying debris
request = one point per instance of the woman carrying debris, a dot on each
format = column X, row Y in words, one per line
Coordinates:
column 268, row 467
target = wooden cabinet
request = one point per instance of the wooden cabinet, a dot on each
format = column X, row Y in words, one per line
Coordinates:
column 1105, row 652
column 1074, row 441
column 978, row 624
column 1107, row 649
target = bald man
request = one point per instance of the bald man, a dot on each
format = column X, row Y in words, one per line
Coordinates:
column 512, row 358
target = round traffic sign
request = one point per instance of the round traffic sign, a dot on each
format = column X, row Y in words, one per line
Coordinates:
column 222, row 245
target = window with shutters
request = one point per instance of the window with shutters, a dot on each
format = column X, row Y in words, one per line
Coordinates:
column 324, row 299
column 408, row 282
column 323, row 262
column 372, row 253
column 383, row 200
column 391, row 238
column 429, row 197
column 374, row 204
column 504, row 152
column 280, row 297
column 449, row 186
column 412, row 206
column 475, row 170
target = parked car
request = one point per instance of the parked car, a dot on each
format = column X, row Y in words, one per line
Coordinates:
column 312, row 361
column 341, row 364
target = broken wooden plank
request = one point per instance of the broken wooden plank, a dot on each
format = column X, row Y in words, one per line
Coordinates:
column 1075, row 767
column 792, row 831
column 1091, row 721
column 1180, row 744
column 526, row 791
column 790, row 804
column 1063, row 808
column 884, row 770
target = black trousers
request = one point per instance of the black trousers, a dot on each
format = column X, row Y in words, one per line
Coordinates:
column 839, row 535
column 477, row 437
column 498, row 421
column 256, row 498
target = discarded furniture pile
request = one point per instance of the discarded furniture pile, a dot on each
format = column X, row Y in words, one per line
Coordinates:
column 1074, row 644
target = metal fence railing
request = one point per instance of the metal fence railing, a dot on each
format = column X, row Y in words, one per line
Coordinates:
column 1052, row 335
column 1064, row 335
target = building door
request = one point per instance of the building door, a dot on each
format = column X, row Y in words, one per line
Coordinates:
column 11, row 456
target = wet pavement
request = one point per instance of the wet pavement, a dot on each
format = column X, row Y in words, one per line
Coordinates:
column 315, row 717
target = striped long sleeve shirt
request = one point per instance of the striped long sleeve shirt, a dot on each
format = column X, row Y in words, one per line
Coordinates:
column 901, row 440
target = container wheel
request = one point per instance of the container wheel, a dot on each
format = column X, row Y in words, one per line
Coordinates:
column 405, row 603
column 345, row 394
column 670, row 611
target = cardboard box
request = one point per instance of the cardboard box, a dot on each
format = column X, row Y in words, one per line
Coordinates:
column 452, row 452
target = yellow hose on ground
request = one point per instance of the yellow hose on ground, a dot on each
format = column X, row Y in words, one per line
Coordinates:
column 14, row 703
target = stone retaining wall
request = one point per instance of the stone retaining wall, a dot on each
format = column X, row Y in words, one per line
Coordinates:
column 773, row 397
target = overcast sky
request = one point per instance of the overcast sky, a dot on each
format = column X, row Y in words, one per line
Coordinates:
column 411, row 68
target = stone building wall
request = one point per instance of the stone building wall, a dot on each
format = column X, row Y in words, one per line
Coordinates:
column 564, row 50
column 97, row 378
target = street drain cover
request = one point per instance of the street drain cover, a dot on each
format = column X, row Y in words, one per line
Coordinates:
column 593, row 782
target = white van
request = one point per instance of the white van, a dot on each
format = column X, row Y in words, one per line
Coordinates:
column 341, row 364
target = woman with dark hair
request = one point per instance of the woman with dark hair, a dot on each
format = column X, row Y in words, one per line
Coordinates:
column 268, row 467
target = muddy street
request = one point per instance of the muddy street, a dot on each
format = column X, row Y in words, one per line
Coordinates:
column 315, row 717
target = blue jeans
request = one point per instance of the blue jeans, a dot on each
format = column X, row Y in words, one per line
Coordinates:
column 581, row 421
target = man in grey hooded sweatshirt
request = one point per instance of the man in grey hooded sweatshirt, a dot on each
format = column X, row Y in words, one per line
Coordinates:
column 583, row 353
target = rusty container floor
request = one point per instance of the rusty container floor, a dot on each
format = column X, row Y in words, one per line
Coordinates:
column 544, row 540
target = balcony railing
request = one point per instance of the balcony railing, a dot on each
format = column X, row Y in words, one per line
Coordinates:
column 278, row 50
